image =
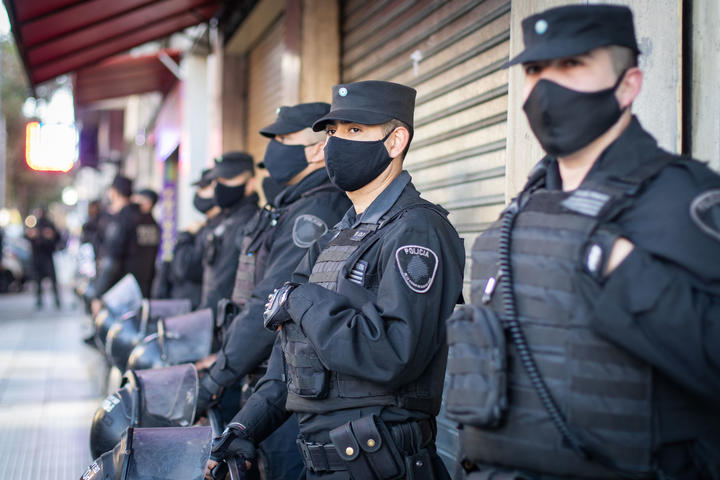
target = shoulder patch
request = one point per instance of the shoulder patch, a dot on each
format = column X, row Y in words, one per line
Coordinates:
column 418, row 266
column 705, row 212
column 307, row 229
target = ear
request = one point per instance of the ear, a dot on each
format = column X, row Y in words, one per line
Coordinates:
column 250, row 186
column 630, row 87
column 398, row 141
column 314, row 153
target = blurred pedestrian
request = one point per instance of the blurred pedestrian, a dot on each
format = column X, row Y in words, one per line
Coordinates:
column 44, row 239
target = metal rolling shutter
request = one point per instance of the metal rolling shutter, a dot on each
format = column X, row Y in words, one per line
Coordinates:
column 265, row 89
column 457, row 157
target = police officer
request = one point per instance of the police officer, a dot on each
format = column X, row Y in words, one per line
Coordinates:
column 360, row 356
column 130, row 243
column 44, row 239
column 234, row 194
column 185, row 269
column 307, row 207
column 605, row 273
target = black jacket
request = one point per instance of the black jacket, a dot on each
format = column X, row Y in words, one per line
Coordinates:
column 221, row 252
column 391, row 341
column 247, row 343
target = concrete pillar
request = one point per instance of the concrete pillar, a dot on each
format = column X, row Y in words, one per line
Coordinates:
column 658, row 26
column 705, row 75
column 320, row 65
column 194, row 155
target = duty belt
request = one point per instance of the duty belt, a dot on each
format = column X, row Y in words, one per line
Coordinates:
column 323, row 457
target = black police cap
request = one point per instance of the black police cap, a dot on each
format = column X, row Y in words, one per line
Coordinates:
column 123, row 185
column 370, row 103
column 232, row 164
column 206, row 178
column 296, row 118
column 575, row 29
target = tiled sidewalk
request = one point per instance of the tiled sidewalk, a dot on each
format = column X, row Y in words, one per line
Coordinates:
column 50, row 386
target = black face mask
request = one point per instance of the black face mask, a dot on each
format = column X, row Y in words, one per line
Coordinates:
column 228, row 196
column 283, row 162
column 353, row 164
column 565, row 120
column 271, row 189
column 203, row 204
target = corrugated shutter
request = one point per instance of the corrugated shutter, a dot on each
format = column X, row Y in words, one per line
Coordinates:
column 452, row 52
column 265, row 89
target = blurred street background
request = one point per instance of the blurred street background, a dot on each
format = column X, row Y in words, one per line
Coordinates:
column 50, row 385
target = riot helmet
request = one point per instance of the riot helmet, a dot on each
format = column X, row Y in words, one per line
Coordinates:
column 173, row 453
column 147, row 398
column 179, row 339
column 125, row 335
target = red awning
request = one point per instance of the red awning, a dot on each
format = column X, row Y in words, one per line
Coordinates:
column 123, row 75
column 60, row 36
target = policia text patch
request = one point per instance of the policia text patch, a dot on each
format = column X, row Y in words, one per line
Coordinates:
column 417, row 266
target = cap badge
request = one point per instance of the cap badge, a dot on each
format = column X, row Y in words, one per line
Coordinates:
column 342, row 91
column 277, row 110
column 541, row 27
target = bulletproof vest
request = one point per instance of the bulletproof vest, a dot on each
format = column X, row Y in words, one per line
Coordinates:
column 144, row 244
column 312, row 388
column 254, row 250
column 604, row 392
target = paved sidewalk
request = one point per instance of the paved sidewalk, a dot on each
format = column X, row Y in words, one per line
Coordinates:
column 50, row 386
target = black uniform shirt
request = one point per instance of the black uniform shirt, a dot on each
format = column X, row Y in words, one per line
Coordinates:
column 219, row 271
column 662, row 303
column 390, row 341
column 314, row 199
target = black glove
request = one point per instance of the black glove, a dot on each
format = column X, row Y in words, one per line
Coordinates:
column 208, row 393
column 275, row 313
column 234, row 442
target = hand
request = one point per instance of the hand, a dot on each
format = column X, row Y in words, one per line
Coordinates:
column 620, row 250
column 208, row 390
column 275, row 313
column 95, row 306
column 206, row 362
column 233, row 443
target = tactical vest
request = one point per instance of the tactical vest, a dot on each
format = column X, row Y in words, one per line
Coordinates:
column 253, row 255
column 603, row 392
column 312, row 388
column 143, row 249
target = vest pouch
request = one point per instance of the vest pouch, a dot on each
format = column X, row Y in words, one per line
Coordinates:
column 368, row 450
column 420, row 466
column 306, row 375
column 477, row 367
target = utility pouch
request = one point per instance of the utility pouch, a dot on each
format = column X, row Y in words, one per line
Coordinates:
column 477, row 367
column 367, row 448
column 419, row 466
column 307, row 377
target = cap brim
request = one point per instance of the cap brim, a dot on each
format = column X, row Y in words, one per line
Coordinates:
column 280, row 128
column 365, row 117
column 560, row 48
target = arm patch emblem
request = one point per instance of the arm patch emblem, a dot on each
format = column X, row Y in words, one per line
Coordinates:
column 705, row 212
column 307, row 229
column 418, row 266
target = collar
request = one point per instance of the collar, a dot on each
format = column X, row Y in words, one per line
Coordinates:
column 633, row 147
column 293, row 192
column 379, row 206
column 249, row 199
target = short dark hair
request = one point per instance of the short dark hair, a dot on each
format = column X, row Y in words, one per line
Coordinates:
column 388, row 127
column 622, row 58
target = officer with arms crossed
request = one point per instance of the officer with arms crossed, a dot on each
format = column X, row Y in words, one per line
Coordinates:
column 604, row 273
column 235, row 195
column 360, row 356
column 270, row 249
